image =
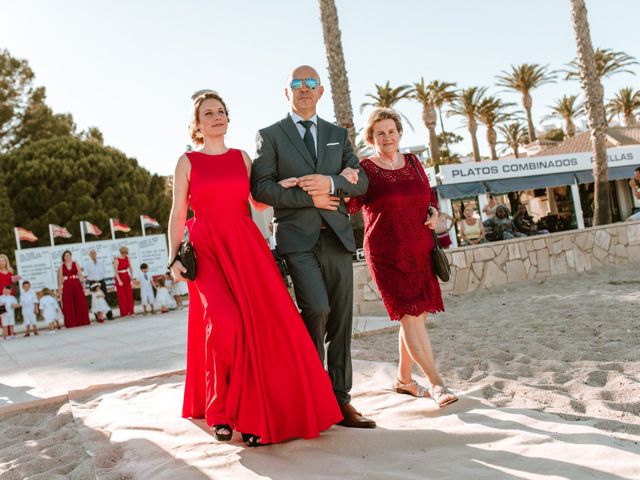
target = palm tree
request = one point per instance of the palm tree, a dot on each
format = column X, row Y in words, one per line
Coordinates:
column 523, row 79
column 594, row 105
column 387, row 96
column 336, row 66
column 514, row 135
column 568, row 108
column 443, row 93
column 424, row 94
column 466, row 105
column 608, row 63
column 625, row 104
column 491, row 112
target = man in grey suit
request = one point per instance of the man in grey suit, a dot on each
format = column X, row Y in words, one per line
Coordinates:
column 298, row 171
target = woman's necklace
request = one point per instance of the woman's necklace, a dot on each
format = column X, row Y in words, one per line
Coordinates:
column 390, row 164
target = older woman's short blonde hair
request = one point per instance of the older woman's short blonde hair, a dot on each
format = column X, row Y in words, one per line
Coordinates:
column 378, row 115
column 124, row 250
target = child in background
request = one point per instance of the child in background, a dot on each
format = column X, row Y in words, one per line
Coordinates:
column 29, row 302
column 50, row 310
column 178, row 289
column 99, row 306
column 146, row 289
column 164, row 300
column 9, row 316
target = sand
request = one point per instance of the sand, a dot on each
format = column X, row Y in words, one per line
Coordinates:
column 548, row 373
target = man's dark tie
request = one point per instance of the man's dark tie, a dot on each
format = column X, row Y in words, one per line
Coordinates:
column 145, row 277
column 308, row 138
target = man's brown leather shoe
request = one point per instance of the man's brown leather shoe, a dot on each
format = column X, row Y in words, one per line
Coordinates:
column 354, row 419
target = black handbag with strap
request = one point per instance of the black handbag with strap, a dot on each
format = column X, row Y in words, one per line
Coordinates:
column 438, row 258
column 187, row 257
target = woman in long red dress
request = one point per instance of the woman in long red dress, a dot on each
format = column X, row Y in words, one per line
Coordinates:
column 251, row 365
column 74, row 303
column 399, row 210
column 123, row 276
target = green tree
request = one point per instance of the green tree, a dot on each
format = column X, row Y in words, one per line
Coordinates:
column 492, row 111
column 568, row 108
column 387, row 96
column 607, row 63
column 93, row 134
column 514, row 135
column 24, row 115
column 7, row 223
column 555, row 134
column 524, row 78
column 445, row 140
column 466, row 105
column 625, row 104
column 64, row 180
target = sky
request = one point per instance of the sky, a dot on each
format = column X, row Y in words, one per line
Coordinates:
column 130, row 67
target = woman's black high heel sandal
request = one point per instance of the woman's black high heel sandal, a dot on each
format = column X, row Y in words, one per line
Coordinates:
column 222, row 432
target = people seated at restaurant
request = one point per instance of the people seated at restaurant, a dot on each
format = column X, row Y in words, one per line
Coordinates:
column 471, row 229
column 524, row 222
column 445, row 223
column 502, row 227
column 489, row 209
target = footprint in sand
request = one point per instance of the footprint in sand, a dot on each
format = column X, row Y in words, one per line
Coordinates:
column 561, row 378
column 577, row 406
column 611, row 366
column 607, row 395
column 465, row 373
column 597, row 378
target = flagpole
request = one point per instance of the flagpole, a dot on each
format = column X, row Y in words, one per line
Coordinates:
column 51, row 236
column 82, row 231
column 142, row 225
column 15, row 231
column 113, row 233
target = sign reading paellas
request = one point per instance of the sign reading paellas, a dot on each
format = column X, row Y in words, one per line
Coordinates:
column 530, row 166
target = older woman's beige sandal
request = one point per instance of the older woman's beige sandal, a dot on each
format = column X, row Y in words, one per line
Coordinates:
column 443, row 396
column 412, row 388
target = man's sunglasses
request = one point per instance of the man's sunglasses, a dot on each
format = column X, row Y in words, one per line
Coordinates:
column 311, row 83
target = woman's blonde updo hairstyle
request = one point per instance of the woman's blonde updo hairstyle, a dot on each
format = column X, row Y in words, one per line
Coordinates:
column 378, row 115
column 198, row 98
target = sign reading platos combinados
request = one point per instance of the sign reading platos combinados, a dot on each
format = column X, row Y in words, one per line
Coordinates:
column 529, row 166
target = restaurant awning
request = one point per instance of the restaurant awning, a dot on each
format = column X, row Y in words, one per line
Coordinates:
column 529, row 183
column 461, row 190
column 615, row 173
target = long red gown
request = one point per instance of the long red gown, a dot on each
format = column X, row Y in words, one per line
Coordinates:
column 124, row 291
column 250, row 360
column 397, row 243
column 74, row 303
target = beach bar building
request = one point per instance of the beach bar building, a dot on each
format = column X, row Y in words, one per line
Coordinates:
column 556, row 184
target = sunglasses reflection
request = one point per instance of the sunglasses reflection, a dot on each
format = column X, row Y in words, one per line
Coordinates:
column 310, row 83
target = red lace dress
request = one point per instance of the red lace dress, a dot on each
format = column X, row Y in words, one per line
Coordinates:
column 397, row 243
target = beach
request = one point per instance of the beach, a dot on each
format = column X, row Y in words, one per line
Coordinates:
column 548, row 374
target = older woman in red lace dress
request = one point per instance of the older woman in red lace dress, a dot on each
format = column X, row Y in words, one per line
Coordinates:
column 399, row 210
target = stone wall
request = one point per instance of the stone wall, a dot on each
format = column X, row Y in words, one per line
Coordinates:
column 519, row 260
